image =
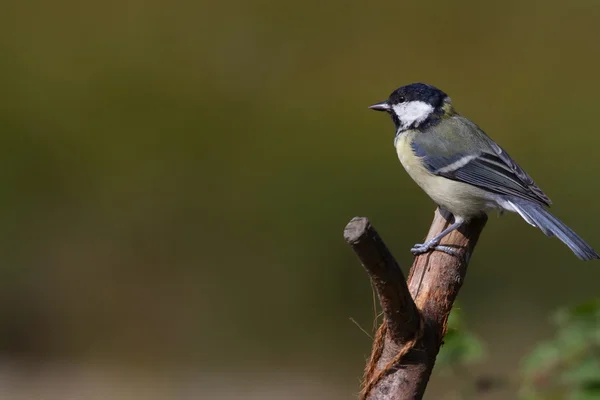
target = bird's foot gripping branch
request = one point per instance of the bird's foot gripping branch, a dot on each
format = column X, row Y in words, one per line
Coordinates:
column 415, row 311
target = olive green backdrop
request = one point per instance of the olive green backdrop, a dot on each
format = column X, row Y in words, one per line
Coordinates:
column 175, row 178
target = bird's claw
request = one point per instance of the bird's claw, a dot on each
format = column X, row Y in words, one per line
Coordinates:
column 428, row 246
column 421, row 248
column 448, row 250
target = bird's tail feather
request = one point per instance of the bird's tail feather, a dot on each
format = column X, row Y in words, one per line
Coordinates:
column 538, row 216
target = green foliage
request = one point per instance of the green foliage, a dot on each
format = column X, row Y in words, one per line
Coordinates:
column 568, row 365
column 460, row 346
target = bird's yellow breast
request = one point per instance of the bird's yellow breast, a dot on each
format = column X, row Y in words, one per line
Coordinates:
column 461, row 199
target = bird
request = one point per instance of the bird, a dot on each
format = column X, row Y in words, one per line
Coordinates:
column 463, row 170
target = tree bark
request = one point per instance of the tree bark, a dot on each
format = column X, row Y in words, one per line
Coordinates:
column 415, row 312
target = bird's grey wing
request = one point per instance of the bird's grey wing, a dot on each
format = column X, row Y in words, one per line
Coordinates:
column 523, row 177
column 475, row 159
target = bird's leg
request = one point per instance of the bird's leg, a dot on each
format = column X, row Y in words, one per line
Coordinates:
column 434, row 242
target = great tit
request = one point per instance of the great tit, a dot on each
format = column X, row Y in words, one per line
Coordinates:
column 463, row 170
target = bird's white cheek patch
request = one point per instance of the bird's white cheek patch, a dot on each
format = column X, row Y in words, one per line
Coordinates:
column 412, row 112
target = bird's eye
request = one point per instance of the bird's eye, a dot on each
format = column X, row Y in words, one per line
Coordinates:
column 401, row 99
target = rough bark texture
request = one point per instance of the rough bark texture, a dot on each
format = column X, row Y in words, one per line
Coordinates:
column 415, row 314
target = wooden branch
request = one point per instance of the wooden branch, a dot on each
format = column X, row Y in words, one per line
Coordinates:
column 387, row 278
column 415, row 314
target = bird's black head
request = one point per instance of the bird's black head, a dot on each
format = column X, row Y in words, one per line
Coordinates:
column 414, row 105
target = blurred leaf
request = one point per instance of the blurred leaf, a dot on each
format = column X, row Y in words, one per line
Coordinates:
column 588, row 392
column 587, row 309
column 573, row 339
column 583, row 372
column 568, row 366
column 460, row 346
column 528, row 393
column 456, row 319
column 585, row 312
column 543, row 357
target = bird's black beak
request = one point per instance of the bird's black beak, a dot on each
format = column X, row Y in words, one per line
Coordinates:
column 383, row 106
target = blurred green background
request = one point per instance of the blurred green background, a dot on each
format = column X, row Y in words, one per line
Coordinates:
column 176, row 176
